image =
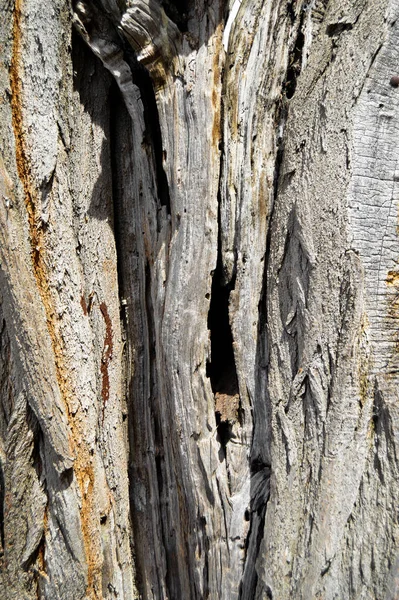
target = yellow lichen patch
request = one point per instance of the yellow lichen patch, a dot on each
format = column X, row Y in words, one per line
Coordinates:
column 393, row 278
column 392, row 317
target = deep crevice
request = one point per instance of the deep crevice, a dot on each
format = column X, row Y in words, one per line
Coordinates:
column 257, row 514
column 152, row 141
column 152, row 135
column 225, row 429
column 337, row 28
column 295, row 61
column 257, row 517
column 177, row 11
column 222, row 368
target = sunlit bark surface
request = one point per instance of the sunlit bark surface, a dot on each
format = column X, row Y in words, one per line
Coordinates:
column 199, row 314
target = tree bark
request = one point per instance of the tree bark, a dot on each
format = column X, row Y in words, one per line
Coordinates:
column 199, row 299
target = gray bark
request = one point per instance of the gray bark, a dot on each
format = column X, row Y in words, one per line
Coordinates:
column 199, row 299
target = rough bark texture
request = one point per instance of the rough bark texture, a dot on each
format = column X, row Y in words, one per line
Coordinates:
column 199, row 299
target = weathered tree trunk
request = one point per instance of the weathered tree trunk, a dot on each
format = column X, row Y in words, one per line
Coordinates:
column 199, row 306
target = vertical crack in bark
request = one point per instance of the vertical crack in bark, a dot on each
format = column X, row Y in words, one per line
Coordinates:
column 177, row 11
column 260, row 471
column 153, row 135
column 295, row 55
column 222, row 369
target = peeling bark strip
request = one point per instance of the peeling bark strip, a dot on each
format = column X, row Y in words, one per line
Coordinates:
column 198, row 179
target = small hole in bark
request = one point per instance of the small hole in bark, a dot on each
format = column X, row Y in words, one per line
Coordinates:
column 103, row 519
column 338, row 28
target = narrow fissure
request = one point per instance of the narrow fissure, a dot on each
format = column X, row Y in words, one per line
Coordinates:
column 152, row 143
column 157, row 433
column 152, row 135
column 115, row 104
column 294, row 59
column 115, row 101
column 222, row 369
column 257, row 515
column 177, row 11
column 260, row 493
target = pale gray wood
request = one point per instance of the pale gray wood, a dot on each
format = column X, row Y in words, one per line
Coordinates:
column 198, row 302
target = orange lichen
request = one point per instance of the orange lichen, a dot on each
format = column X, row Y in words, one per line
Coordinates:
column 393, row 278
column 83, row 468
column 83, row 305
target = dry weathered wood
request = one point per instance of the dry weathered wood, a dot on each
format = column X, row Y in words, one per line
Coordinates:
column 198, row 303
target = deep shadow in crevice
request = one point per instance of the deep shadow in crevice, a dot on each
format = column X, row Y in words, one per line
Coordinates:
column 294, row 68
column 178, row 12
column 152, row 141
column 161, row 493
column 260, row 493
column 89, row 67
column 221, row 369
column 152, row 135
column 335, row 29
column 295, row 59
